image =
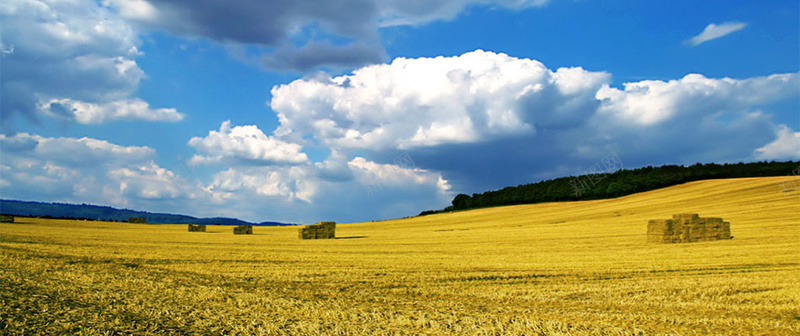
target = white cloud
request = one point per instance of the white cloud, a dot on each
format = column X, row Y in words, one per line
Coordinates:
column 713, row 31
column 270, row 178
column 74, row 152
column 89, row 113
column 74, row 52
column 376, row 175
column 432, row 101
column 138, row 10
column 245, row 143
column 310, row 193
column 148, row 181
column 483, row 96
column 290, row 183
column 84, row 169
column 650, row 102
column 785, row 147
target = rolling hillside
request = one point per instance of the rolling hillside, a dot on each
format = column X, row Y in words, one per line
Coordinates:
column 552, row 268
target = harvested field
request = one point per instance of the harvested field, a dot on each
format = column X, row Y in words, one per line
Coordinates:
column 580, row 268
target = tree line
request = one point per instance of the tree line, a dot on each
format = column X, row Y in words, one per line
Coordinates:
column 610, row 185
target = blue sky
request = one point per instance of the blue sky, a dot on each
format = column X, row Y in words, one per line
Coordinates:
column 355, row 110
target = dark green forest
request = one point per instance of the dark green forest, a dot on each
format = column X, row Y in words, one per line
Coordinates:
column 619, row 183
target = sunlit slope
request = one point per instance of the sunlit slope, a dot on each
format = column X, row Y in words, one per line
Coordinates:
column 557, row 268
column 762, row 217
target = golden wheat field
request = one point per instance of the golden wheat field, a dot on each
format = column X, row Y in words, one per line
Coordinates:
column 579, row 268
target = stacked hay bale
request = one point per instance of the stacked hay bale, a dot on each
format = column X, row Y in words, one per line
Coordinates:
column 197, row 228
column 243, row 229
column 6, row 219
column 660, row 231
column 138, row 220
column 715, row 226
column 321, row 230
column 685, row 228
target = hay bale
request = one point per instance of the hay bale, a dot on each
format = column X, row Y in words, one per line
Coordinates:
column 725, row 231
column 321, row 230
column 688, row 216
column 243, row 229
column 658, row 225
column 197, row 228
column 138, row 220
column 685, row 228
column 6, row 219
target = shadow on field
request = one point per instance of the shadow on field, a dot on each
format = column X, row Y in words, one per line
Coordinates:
column 351, row 237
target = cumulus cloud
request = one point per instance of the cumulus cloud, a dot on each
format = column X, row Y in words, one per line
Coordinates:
column 713, row 31
column 432, row 101
column 245, row 143
column 87, row 170
column 76, row 53
column 290, row 183
column 263, row 174
column 62, row 169
column 303, row 193
column 652, row 101
column 785, row 147
column 280, row 26
column 484, row 96
column 267, row 174
column 146, row 181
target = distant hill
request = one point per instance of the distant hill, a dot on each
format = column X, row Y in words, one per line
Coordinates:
column 615, row 184
column 105, row 213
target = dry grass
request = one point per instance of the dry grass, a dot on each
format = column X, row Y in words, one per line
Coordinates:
column 559, row 268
